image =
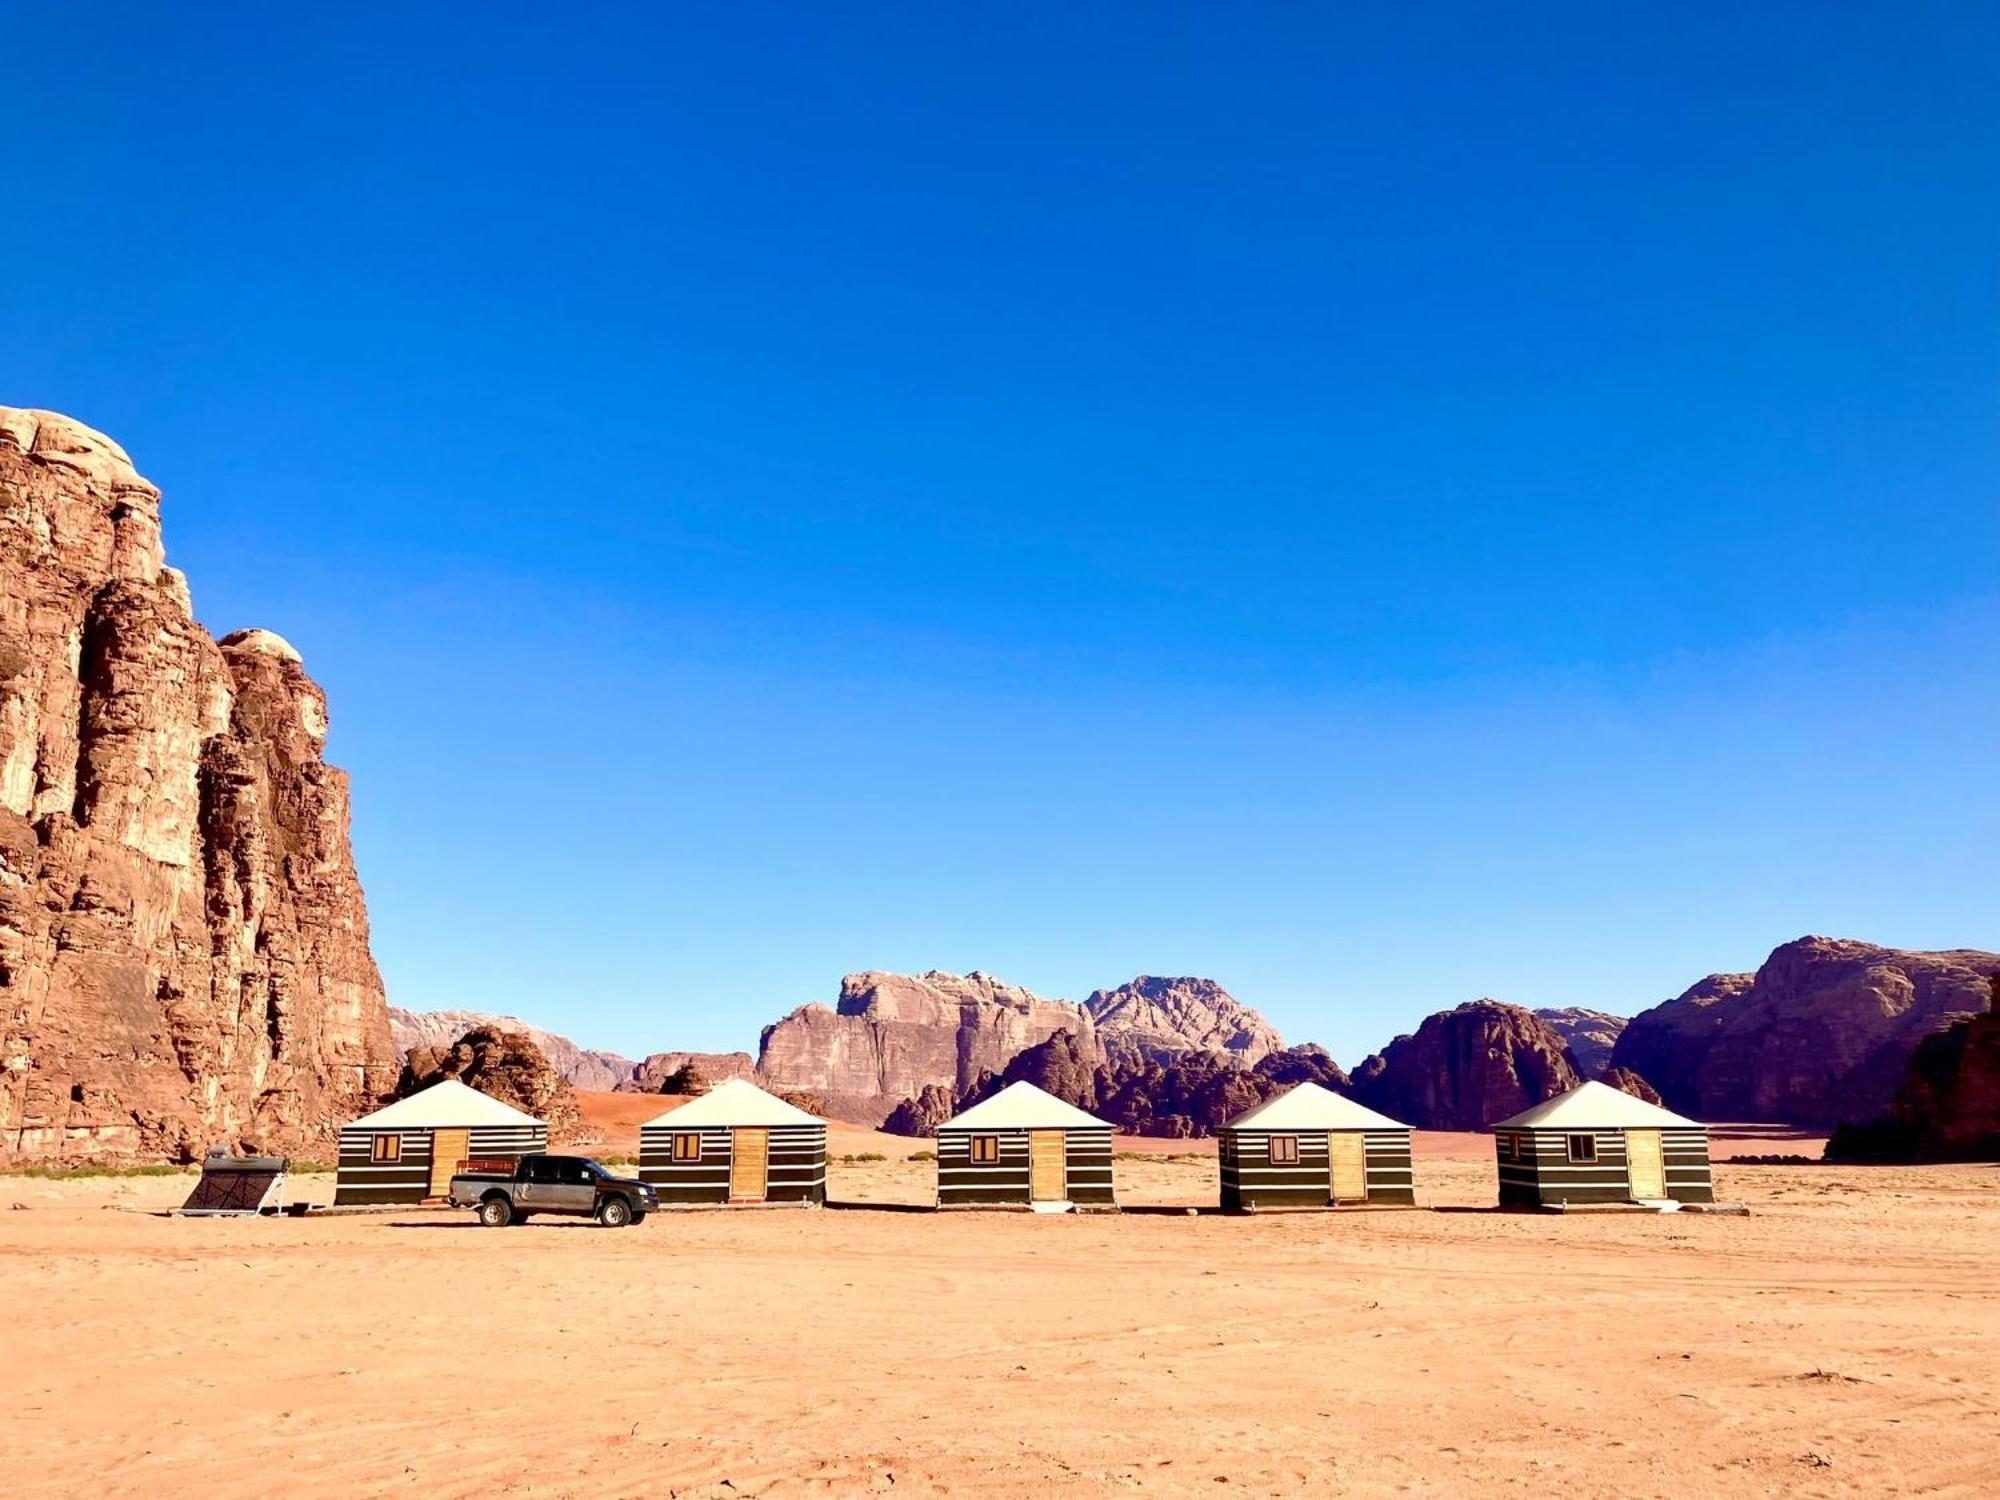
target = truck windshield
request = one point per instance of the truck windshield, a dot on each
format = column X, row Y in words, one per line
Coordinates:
column 591, row 1165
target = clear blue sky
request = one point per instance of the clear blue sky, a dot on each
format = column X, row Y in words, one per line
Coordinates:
column 1378, row 505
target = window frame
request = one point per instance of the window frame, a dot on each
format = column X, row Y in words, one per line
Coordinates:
column 1285, row 1156
column 1587, row 1158
column 686, row 1146
column 386, row 1149
column 983, row 1150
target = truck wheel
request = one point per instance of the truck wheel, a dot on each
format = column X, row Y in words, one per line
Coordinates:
column 614, row 1213
column 496, row 1212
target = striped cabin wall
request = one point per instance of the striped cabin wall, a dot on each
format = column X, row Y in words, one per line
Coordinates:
column 359, row 1179
column 1250, row 1181
column 796, row 1172
column 1544, row 1173
column 964, row 1183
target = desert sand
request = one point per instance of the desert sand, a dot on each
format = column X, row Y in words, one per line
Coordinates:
column 1844, row 1340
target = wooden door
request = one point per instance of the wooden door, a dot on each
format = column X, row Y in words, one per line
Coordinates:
column 750, row 1164
column 1347, row 1166
column 449, row 1148
column 1048, row 1166
column 1645, row 1164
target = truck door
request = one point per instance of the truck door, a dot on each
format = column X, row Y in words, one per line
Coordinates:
column 576, row 1187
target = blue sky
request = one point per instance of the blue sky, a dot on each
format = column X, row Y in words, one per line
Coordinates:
column 1379, row 506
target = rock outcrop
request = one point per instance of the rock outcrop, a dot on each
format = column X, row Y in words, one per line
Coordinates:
column 891, row 1036
column 1948, row 1106
column 1818, row 1035
column 1190, row 1094
column 506, row 1064
column 1589, row 1034
column 1464, row 1069
column 1626, row 1081
column 1161, row 1018
column 650, row 1076
column 580, row 1067
column 183, row 940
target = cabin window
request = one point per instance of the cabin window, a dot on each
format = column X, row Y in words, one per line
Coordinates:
column 1583, row 1148
column 687, row 1145
column 387, row 1148
column 1284, row 1150
column 1510, row 1147
column 986, row 1149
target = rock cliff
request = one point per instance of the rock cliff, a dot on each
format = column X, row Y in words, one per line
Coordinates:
column 1464, row 1069
column 891, row 1036
column 1818, row 1035
column 580, row 1067
column 183, row 940
column 1948, row 1105
column 650, row 1076
column 506, row 1064
column 1160, row 1018
column 1589, row 1034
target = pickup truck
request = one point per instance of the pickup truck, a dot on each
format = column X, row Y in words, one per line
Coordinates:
column 539, row 1184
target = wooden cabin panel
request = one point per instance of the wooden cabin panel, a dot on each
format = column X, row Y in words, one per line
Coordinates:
column 1048, row 1166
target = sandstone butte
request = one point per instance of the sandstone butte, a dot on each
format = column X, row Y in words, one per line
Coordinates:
column 183, row 940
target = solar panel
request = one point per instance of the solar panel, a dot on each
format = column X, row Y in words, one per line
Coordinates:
column 238, row 1185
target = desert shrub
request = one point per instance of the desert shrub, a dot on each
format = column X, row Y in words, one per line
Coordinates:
column 921, row 1156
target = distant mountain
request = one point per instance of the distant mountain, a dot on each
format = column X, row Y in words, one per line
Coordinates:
column 1161, row 1018
column 1819, row 1034
column 890, row 1037
column 1948, row 1105
column 577, row 1066
column 1464, row 1069
column 1589, row 1035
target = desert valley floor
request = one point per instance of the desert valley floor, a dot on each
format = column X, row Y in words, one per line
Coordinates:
column 1843, row 1340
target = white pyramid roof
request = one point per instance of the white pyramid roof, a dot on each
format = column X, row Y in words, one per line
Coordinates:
column 1307, row 1106
column 1592, row 1106
column 736, row 1101
column 1022, row 1106
column 449, row 1104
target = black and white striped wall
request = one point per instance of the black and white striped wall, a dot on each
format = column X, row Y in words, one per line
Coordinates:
column 964, row 1183
column 796, row 1172
column 1536, row 1169
column 360, row 1179
column 1251, row 1180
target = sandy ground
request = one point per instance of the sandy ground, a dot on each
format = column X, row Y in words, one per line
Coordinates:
column 1844, row 1340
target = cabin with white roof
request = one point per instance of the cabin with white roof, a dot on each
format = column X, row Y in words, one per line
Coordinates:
column 1311, row 1148
column 1024, row 1146
column 735, row 1144
column 410, row 1150
column 1597, row 1144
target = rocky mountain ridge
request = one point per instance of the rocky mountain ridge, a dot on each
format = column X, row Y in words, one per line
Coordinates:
column 1819, row 1034
column 183, row 939
column 1463, row 1069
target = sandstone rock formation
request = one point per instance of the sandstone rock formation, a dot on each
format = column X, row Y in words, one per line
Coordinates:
column 1818, row 1035
column 1589, row 1034
column 506, row 1064
column 183, row 941
column 1948, row 1106
column 1466, row 1068
column 581, row 1067
column 650, row 1076
column 1160, row 1018
column 1190, row 1094
column 1625, row 1080
column 891, row 1036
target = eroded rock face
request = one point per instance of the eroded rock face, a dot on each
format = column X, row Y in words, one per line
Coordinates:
column 1625, row 1080
column 1466, row 1068
column 650, row 1076
column 891, row 1036
column 1589, row 1034
column 1160, row 1018
column 506, row 1064
column 580, row 1067
column 183, row 942
column 1948, row 1105
column 1818, row 1035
